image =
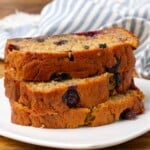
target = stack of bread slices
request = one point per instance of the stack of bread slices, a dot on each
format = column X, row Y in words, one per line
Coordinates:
column 72, row 80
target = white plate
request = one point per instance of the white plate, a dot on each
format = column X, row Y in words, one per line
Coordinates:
column 96, row 137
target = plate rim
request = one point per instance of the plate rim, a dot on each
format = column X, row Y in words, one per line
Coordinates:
column 37, row 142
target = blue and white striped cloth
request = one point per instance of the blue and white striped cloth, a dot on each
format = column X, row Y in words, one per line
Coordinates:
column 67, row 16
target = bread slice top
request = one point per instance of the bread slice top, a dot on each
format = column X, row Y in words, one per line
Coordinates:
column 73, row 42
column 45, row 87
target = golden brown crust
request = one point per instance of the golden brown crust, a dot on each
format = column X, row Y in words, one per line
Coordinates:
column 39, row 66
column 70, row 119
column 111, row 110
column 12, row 87
column 105, row 113
column 126, row 81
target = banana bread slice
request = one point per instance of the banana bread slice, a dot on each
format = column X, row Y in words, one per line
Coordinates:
column 77, row 55
column 61, row 96
column 121, row 106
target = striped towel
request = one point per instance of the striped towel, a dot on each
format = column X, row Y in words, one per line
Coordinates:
column 67, row 16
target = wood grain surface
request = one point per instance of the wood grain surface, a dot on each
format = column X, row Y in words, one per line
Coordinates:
column 11, row 6
column 35, row 6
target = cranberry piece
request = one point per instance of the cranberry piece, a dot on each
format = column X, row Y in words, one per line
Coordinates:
column 12, row 47
column 90, row 33
column 128, row 114
column 61, row 42
column 59, row 76
column 114, row 68
column 71, row 97
column 103, row 45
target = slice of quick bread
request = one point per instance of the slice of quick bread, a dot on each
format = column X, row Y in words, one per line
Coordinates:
column 61, row 96
column 78, row 55
column 121, row 106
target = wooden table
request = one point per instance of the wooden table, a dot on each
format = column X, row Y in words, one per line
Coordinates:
column 35, row 6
